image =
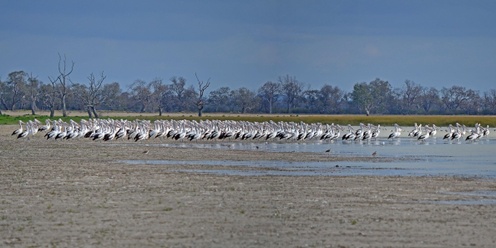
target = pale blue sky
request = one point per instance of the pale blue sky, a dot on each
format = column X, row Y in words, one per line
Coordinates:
column 246, row 43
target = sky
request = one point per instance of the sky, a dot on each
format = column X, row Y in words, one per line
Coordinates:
column 240, row 43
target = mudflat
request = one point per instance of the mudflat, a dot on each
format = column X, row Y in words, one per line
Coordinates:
column 74, row 193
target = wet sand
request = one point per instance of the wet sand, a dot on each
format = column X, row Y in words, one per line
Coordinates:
column 75, row 193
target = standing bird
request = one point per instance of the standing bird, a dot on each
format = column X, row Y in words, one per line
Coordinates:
column 433, row 130
column 376, row 131
column 44, row 127
column 350, row 135
column 473, row 136
column 19, row 130
column 485, row 131
column 423, row 136
column 396, row 132
column 416, row 130
column 62, row 134
column 450, row 132
column 26, row 131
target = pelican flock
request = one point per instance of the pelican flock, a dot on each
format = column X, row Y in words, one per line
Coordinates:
column 140, row 130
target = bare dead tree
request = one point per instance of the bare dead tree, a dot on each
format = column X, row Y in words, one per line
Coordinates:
column 202, row 86
column 95, row 96
column 63, row 79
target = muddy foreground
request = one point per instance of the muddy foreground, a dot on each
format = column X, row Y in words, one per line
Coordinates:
column 76, row 193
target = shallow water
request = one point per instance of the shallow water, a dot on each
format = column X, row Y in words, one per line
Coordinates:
column 433, row 157
column 411, row 157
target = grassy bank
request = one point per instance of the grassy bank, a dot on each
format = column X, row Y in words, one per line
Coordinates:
column 385, row 120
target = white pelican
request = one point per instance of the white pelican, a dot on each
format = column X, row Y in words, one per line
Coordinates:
column 62, row 134
column 423, row 136
column 473, row 136
column 433, row 130
column 376, row 131
column 396, row 132
column 44, row 127
column 450, row 132
column 26, row 131
column 367, row 134
column 19, row 130
column 415, row 131
column 486, row 131
column 350, row 135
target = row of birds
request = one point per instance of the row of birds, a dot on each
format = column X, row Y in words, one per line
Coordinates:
column 453, row 133
column 111, row 129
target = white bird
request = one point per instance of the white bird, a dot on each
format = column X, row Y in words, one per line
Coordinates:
column 475, row 134
column 350, row 135
column 376, row 131
column 415, row 131
column 423, row 136
column 62, row 134
column 433, row 130
column 26, row 131
column 55, row 130
column 486, row 131
column 19, row 130
column 396, row 132
column 44, row 127
column 450, row 132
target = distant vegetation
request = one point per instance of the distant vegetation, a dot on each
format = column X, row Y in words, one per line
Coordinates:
column 285, row 95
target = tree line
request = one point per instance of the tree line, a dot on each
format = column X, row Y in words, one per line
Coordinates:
column 22, row 90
